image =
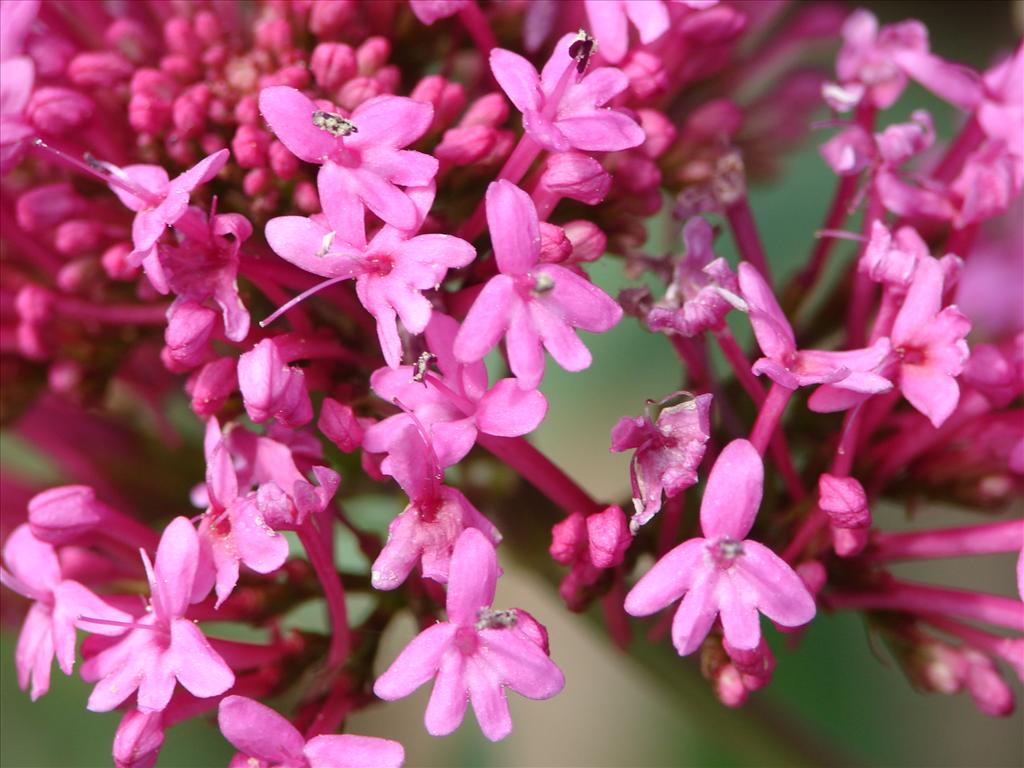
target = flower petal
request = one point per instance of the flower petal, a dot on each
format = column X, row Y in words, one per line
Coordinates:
column 515, row 229
column 509, row 411
column 780, row 593
column 931, row 391
column 177, row 558
column 490, row 704
column 290, row 115
column 579, row 301
column 695, row 615
column 668, row 580
column 922, row 303
column 772, row 329
column 733, row 493
column 448, row 700
column 606, row 130
column 390, row 121
column 521, row 664
column 198, row 667
column 348, row 751
column 486, row 321
column 417, row 663
column 472, row 577
column 259, row 731
column 517, row 78
column 525, row 353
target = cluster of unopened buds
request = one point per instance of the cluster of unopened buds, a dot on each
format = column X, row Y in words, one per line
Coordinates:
column 174, row 170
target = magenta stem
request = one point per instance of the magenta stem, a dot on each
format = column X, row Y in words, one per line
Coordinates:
column 918, row 598
column 113, row 314
column 970, row 136
column 886, row 316
column 334, row 592
column 769, row 416
column 837, row 213
column 119, row 180
column 513, row 170
column 479, row 29
column 986, row 539
column 863, row 288
column 538, row 470
column 748, row 241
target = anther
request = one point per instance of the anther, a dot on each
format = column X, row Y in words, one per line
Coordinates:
column 582, row 48
column 487, row 618
column 325, row 244
column 336, row 125
column 421, row 366
column 543, row 283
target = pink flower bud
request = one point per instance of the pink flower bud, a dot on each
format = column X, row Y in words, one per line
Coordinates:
column 576, row 176
column 147, row 114
column 755, row 664
column 333, row 64
column 812, row 573
column 306, row 198
column 256, row 181
column 637, row 174
column 189, row 326
column 646, row 73
column 212, row 385
column 554, row 246
column 249, row 146
column 247, row 111
column 609, row 536
column 274, row 34
column 207, row 27
column 271, row 388
column 659, row 132
column 190, row 110
column 588, row 241
column 448, row 99
column 138, row 740
column 179, row 37
column 373, row 54
column 536, row 632
column 34, row 304
column 986, row 686
column 490, row 110
column 389, row 78
column 78, row 236
column 340, row 425
column 96, row 69
column 294, row 76
column 728, row 686
column 115, row 262
column 848, row 152
column 466, row 145
column 64, row 377
column 182, row 68
column 848, row 542
column 357, row 90
column 62, row 514
column 568, row 538
column 154, row 83
column 892, row 262
column 327, row 20
column 941, row 668
column 715, row 120
column 719, row 24
column 77, row 275
column 51, row 55
column 843, row 499
column 43, row 208
column 58, row 110
column 282, row 162
column 130, row 39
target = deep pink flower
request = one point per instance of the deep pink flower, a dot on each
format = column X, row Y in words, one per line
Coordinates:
column 724, row 574
column 991, row 179
column 163, row 646
column 562, row 110
column 391, row 270
column 362, row 154
column 427, row 529
column 476, row 654
column 854, row 370
column 267, row 739
column 271, row 388
column 453, row 404
column 669, row 448
column 429, row 11
column 158, row 200
column 589, row 544
column 930, row 344
column 703, row 288
column 530, row 304
column 609, row 23
column 33, row 571
column 1001, row 112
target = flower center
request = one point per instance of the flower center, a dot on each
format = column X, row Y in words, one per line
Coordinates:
column 336, row 125
column 379, row 264
column 725, row 551
column 488, row 618
column 466, row 640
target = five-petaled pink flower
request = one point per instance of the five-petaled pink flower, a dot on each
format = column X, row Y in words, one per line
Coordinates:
column 363, row 155
column 562, row 110
column 391, row 270
column 476, row 654
column 724, row 574
column 454, row 404
column 33, row 571
column 529, row 303
column 669, row 448
column 267, row 740
column 854, row 370
column 162, row 646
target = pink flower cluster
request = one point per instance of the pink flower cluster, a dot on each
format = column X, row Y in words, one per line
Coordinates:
column 414, row 246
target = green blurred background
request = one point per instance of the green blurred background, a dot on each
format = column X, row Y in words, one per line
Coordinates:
column 838, row 698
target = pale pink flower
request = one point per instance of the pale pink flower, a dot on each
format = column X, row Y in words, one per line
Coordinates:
column 454, row 404
column 267, row 739
column 854, row 370
column 476, row 654
column 163, row 646
column 33, row 570
column 562, row 110
column 669, row 448
column 532, row 305
column 362, row 154
column 725, row 575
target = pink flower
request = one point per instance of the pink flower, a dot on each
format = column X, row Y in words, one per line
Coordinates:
column 33, row 571
column 854, row 370
column 590, row 545
column 562, row 110
column 429, row 11
column 266, row 739
column 391, row 271
column 1001, row 112
column 702, row 291
column 529, row 303
column 158, row 200
column 724, row 574
column 455, row 404
column 363, row 154
column 427, row 530
column 669, row 448
column 476, row 654
column 163, row 646
column 17, row 78
column 609, row 22
column 271, row 388
column 930, row 344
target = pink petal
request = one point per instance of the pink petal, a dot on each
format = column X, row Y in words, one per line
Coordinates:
column 413, row 308
column 670, row 578
column 931, row 391
column 198, row 667
column 152, row 178
column 390, row 121
column 72, row 601
column 515, row 230
column 403, row 167
column 517, row 78
column 33, row 655
column 521, row 664
column 472, row 577
column 780, row 593
column 341, row 205
column 599, row 86
column 259, row 546
column 525, row 354
column 385, row 200
column 740, row 623
column 608, row 24
column 157, row 684
column 119, row 670
column 486, row 321
column 773, row 331
column 259, row 731
column 400, row 553
column 490, row 704
column 829, row 398
column 559, row 338
column 695, row 615
column 200, row 173
column 437, row 250
column 733, row 493
column 509, row 411
column 604, row 131
column 955, row 83
column 776, row 371
column 32, row 562
column 353, row 752
column 651, row 19
column 177, row 558
column 582, row 303
column 448, row 699
column 290, row 115
column 922, row 303
column 453, row 440
column 301, row 241
column 416, row 664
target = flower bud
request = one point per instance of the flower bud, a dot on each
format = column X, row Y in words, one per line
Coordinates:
column 609, row 537
column 646, row 73
column 568, row 538
column 207, row 27
column 115, row 262
column 532, row 629
column 179, row 67
column 714, row 121
column 274, row 34
column 713, row 26
column 249, row 146
column 51, row 55
column 282, row 162
column 58, row 110
column 99, row 69
column 247, row 111
column 849, row 542
column 327, row 20
column 576, row 176
column 34, row 304
column 491, row 110
column 190, row 110
column 179, row 37
column 77, row 275
column 189, row 326
column 373, row 54
column 447, row 98
column 466, row 145
column 636, row 174
column 256, row 181
column 340, row 425
column 147, row 114
column 138, row 740
column 940, row 667
column 357, row 90
column 843, row 499
column 986, row 685
column 812, row 573
column 588, row 241
column 65, row 377
column 728, row 686
column 43, row 208
column 62, row 514
column 333, row 64
column 212, row 385
column 271, row 388
column 848, row 152
column 555, row 248
column 891, row 261
column 306, row 198
column 659, row 132
column 78, row 236
column 389, row 78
